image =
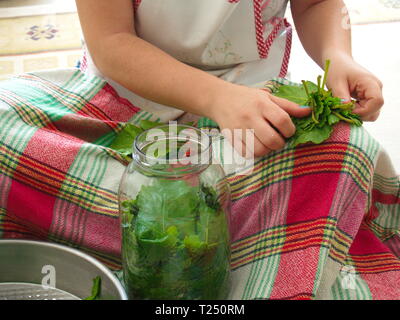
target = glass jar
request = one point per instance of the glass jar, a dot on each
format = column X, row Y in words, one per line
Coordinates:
column 174, row 208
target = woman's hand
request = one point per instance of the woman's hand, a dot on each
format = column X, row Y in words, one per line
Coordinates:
column 240, row 108
column 348, row 79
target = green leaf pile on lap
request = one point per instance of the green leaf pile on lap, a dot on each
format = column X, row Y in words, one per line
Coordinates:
column 326, row 110
column 124, row 140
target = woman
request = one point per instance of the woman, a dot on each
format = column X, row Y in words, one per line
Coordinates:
column 315, row 222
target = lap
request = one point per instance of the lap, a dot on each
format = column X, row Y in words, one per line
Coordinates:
column 299, row 211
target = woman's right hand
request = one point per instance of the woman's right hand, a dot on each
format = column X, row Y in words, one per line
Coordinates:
column 240, row 108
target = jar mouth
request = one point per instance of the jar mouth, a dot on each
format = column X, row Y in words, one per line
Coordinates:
column 173, row 149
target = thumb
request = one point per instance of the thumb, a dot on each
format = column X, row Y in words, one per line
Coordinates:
column 291, row 108
column 341, row 90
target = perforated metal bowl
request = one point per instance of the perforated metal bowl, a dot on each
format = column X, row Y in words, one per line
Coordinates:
column 31, row 270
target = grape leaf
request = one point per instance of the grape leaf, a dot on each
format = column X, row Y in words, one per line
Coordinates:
column 295, row 93
column 124, row 140
column 316, row 135
column 181, row 245
column 326, row 110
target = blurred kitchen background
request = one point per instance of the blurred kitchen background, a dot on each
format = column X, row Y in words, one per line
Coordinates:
column 45, row 34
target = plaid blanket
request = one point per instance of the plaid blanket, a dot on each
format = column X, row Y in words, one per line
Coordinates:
column 312, row 222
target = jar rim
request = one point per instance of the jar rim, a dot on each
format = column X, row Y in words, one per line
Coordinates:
column 203, row 139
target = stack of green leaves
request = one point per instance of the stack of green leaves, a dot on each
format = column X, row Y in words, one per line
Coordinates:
column 125, row 138
column 327, row 110
column 123, row 142
column 175, row 242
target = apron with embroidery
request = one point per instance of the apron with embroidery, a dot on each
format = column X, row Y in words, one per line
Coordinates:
column 244, row 42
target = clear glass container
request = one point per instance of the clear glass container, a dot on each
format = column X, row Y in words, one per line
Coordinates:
column 174, row 208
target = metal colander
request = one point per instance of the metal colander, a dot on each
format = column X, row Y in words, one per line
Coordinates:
column 31, row 270
column 28, row 291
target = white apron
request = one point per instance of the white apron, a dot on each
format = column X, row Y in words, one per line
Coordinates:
column 246, row 42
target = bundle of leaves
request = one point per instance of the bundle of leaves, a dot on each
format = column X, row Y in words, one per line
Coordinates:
column 123, row 142
column 327, row 110
column 175, row 243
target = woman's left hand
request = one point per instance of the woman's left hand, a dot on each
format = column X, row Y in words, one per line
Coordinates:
column 348, row 79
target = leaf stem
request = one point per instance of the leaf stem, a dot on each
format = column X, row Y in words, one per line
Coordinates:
column 313, row 117
column 327, row 65
column 305, row 87
column 342, row 118
column 319, row 84
column 347, row 106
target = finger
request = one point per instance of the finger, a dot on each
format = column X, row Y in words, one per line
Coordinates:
column 242, row 150
column 259, row 149
column 341, row 90
column 372, row 117
column 280, row 120
column 267, row 90
column 254, row 146
column 291, row 108
column 371, row 101
column 268, row 136
column 239, row 141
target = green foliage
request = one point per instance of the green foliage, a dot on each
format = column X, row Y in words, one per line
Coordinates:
column 209, row 196
column 96, row 289
column 177, row 244
column 327, row 110
column 297, row 94
column 194, row 245
column 124, row 140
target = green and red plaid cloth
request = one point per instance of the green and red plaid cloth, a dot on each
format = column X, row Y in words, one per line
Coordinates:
column 312, row 222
